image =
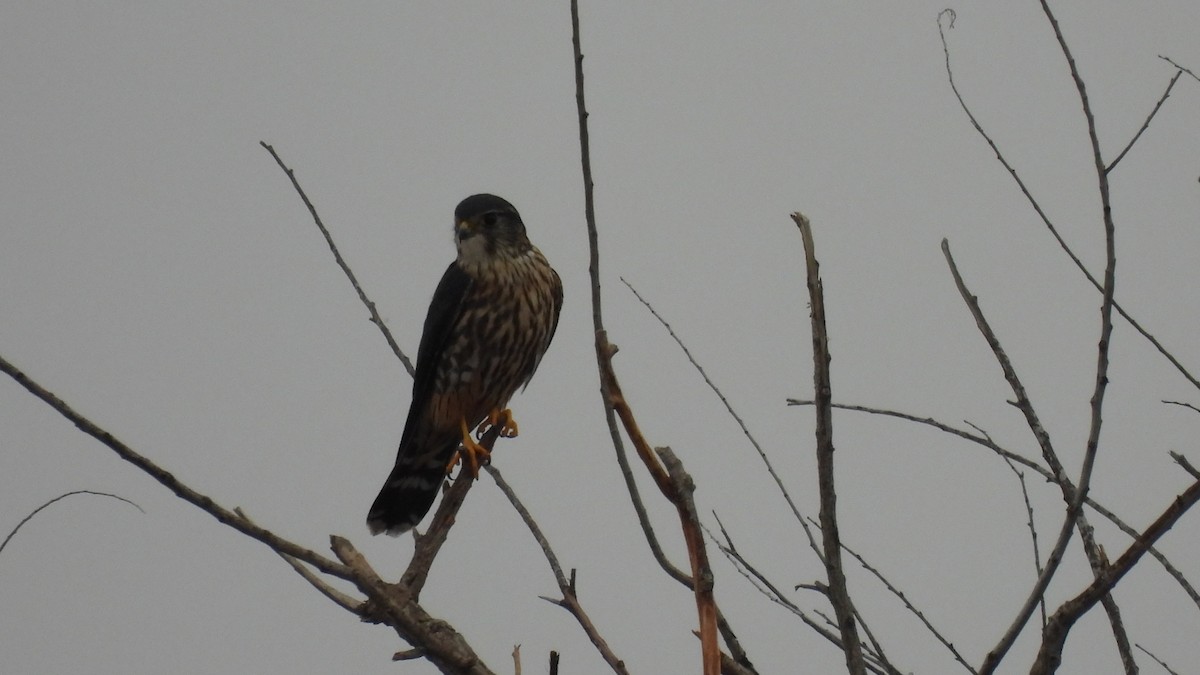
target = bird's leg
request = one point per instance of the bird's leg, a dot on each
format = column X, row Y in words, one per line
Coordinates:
column 473, row 453
column 508, row 426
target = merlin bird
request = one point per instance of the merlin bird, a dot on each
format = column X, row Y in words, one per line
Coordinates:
column 489, row 323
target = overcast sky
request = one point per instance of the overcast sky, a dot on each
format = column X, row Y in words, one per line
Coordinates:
column 158, row 272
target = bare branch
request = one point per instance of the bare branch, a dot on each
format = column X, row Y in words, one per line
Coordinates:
column 839, row 596
column 34, row 512
column 1187, row 466
column 1064, row 536
column 375, row 318
column 1075, row 507
column 1106, row 307
column 435, row 639
column 173, row 484
column 1010, row 374
column 1057, row 629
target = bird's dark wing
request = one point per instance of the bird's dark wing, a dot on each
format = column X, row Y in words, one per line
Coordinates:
column 444, row 310
column 558, row 300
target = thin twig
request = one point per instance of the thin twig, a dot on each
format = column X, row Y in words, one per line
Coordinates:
column 1052, row 646
column 1183, row 404
column 352, row 605
column 1008, row 455
column 34, row 512
column 1033, row 535
column 911, row 608
column 769, row 590
column 1145, row 125
column 812, row 541
column 1186, row 70
column 569, row 600
column 375, row 318
column 1110, row 267
column 1158, row 660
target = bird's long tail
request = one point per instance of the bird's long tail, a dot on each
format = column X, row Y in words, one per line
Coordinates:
column 409, row 490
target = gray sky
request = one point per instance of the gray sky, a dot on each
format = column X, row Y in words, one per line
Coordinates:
column 160, row 274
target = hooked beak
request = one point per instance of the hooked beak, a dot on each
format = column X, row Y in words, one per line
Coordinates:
column 464, row 230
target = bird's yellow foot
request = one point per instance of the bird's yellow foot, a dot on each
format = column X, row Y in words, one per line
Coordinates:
column 471, row 451
column 504, row 418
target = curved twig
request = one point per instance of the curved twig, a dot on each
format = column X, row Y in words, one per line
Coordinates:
column 204, row 502
column 34, row 512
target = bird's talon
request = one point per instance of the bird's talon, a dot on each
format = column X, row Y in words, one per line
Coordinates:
column 503, row 418
column 474, row 455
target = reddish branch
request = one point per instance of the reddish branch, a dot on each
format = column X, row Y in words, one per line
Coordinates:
column 614, row 401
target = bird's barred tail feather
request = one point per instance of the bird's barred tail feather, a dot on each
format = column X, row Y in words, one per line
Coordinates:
column 409, row 492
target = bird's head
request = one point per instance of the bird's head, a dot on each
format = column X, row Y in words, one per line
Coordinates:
column 488, row 228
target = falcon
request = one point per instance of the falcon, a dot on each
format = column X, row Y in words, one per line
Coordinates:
column 489, row 323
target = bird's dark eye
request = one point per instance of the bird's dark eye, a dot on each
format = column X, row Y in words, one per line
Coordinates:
column 490, row 219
